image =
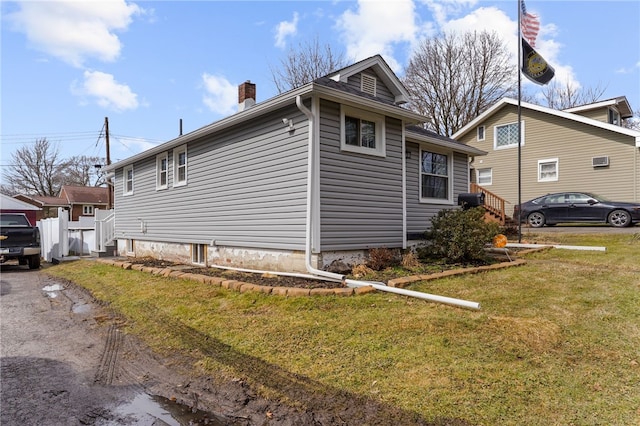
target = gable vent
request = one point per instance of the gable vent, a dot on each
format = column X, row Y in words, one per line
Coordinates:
column 368, row 84
column 600, row 161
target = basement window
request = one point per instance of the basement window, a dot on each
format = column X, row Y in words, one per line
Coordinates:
column 199, row 254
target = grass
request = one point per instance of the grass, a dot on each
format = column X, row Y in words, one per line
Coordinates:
column 557, row 341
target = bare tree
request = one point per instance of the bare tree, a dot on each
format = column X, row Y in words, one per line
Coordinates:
column 36, row 170
column 452, row 78
column 83, row 171
column 632, row 123
column 559, row 96
column 304, row 64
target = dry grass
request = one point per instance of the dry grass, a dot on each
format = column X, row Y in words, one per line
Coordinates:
column 556, row 342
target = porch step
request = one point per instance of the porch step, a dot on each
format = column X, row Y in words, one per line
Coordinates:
column 110, row 251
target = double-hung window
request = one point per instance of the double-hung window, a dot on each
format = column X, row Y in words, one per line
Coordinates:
column 435, row 177
column 180, row 166
column 127, row 181
column 362, row 132
column 506, row 136
column 548, row 170
column 162, row 171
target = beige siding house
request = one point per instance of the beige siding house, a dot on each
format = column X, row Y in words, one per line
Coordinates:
column 581, row 149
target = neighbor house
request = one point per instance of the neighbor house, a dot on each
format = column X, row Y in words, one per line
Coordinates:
column 78, row 200
column 84, row 200
column 318, row 174
column 11, row 205
column 579, row 149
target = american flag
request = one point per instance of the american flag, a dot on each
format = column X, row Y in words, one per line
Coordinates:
column 529, row 25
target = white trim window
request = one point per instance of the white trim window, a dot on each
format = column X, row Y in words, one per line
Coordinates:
column 127, row 180
column 480, row 133
column 180, row 166
column 199, row 254
column 129, row 247
column 162, row 171
column 548, row 170
column 484, row 176
column 506, row 136
column 362, row 132
column 614, row 117
column 435, row 177
column 87, row 210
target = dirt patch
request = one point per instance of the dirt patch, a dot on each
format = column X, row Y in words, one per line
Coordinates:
column 251, row 278
column 271, row 280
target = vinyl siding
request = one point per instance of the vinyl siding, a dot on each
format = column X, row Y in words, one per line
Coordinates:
column 246, row 186
column 419, row 214
column 382, row 92
column 600, row 114
column 572, row 143
column 360, row 195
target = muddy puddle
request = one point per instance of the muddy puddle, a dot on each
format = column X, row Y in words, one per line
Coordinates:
column 153, row 410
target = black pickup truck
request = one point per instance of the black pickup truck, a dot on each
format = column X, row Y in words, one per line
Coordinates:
column 19, row 240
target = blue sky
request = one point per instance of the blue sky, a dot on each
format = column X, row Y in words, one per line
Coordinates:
column 146, row 65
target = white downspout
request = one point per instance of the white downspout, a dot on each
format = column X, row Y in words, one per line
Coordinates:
column 355, row 283
column 308, row 226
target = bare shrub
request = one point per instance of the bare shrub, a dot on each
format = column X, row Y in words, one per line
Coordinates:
column 382, row 258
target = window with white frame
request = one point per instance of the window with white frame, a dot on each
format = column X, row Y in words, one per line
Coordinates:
column 485, row 176
column 362, row 132
column 180, row 166
column 480, row 135
column 199, row 254
column 162, row 171
column 506, row 136
column 435, row 176
column 548, row 170
column 129, row 246
column 87, row 210
column 127, row 180
column 614, row 117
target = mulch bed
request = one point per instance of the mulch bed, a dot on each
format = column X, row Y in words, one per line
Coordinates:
column 251, row 278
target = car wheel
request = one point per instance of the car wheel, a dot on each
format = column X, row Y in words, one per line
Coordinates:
column 34, row 261
column 619, row 218
column 536, row 220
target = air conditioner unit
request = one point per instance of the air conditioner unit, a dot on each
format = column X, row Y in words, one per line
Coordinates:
column 600, row 161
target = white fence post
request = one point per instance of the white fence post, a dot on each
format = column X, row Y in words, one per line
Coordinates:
column 54, row 236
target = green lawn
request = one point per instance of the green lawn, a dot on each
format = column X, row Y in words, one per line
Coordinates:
column 556, row 342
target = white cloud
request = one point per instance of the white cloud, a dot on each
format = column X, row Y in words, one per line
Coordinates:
column 75, row 30
column 285, row 29
column 107, row 92
column 221, row 96
column 376, row 26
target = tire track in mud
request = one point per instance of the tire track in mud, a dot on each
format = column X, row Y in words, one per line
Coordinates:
column 109, row 359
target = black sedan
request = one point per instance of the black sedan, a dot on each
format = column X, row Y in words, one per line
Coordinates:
column 577, row 207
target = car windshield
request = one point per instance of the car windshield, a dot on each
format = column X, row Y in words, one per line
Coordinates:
column 13, row 220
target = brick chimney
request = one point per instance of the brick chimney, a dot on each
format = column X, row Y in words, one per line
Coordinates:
column 246, row 95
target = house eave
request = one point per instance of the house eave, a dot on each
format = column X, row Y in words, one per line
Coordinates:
column 310, row 89
column 567, row 115
column 452, row 145
column 237, row 118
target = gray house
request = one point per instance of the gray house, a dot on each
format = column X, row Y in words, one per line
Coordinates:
column 321, row 173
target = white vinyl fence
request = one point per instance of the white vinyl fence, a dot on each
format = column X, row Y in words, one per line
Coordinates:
column 61, row 237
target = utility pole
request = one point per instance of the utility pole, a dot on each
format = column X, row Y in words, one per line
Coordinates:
column 109, row 184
